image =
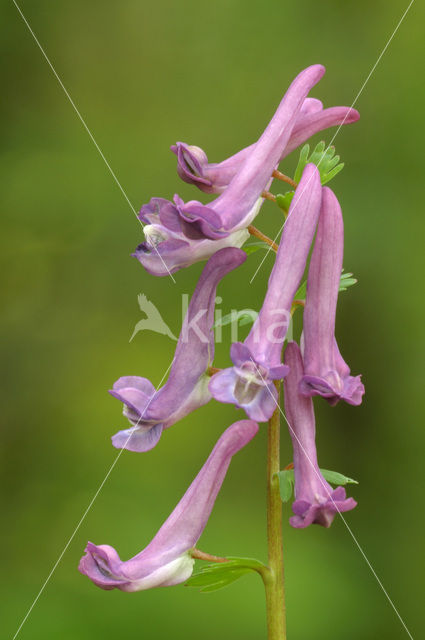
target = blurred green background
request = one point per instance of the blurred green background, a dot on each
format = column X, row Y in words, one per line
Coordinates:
column 144, row 75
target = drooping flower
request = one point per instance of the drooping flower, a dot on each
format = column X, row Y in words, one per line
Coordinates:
column 167, row 560
column 315, row 500
column 325, row 372
column 167, row 248
column 192, row 162
column 150, row 411
column 257, row 361
column 179, row 234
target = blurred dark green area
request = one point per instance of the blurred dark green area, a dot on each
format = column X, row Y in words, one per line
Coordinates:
column 143, row 76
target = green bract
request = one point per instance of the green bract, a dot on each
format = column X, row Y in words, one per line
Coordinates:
column 325, row 160
column 286, row 481
column 346, row 281
column 220, row 574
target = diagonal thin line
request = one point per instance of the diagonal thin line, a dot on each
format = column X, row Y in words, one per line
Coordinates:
column 77, row 112
column 83, row 122
column 280, row 409
column 339, row 128
column 334, row 504
column 92, row 501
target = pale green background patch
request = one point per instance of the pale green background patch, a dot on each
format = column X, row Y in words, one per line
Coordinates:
column 145, row 74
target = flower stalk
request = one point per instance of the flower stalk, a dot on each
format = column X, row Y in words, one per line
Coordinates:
column 281, row 176
column 274, row 580
column 262, row 236
column 208, row 557
column 268, row 196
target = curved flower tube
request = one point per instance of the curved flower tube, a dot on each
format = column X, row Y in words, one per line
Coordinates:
column 315, row 500
column 174, row 230
column 192, row 162
column 325, row 372
column 257, row 361
column 150, row 411
column 167, row 560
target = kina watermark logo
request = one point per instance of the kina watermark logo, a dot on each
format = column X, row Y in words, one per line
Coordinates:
column 153, row 320
column 233, row 321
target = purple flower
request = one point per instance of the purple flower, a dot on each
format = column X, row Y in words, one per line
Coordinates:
column 325, row 372
column 257, row 362
column 315, row 500
column 179, row 233
column 167, row 248
column 167, row 560
column 150, row 411
column 192, row 162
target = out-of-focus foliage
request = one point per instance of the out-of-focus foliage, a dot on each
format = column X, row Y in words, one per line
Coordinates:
column 144, row 75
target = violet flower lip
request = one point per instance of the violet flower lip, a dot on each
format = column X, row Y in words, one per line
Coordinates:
column 167, row 249
column 150, row 411
column 315, row 500
column 257, row 361
column 179, row 234
column 167, row 560
column 193, row 166
column 325, row 372
column 192, row 162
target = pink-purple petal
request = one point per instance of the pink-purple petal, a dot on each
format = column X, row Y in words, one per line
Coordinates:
column 166, row 560
column 315, row 500
column 257, row 361
column 326, row 373
column 138, row 439
column 187, row 386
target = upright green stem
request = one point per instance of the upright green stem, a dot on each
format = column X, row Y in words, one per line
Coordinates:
column 274, row 583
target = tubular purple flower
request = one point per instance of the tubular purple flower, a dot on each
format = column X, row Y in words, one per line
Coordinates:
column 326, row 373
column 167, row 560
column 192, row 162
column 315, row 500
column 257, row 361
column 150, row 411
column 167, row 248
column 193, row 166
column 179, row 233
column 239, row 204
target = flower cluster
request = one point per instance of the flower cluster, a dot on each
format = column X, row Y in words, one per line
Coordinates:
column 178, row 234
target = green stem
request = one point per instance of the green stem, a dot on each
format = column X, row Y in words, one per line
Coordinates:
column 274, row 582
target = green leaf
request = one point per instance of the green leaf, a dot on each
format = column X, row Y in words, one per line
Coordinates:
column 224, row 320
column 220, row 574
column 254, row 246
column 287, row 480
column 346, row 281
column 247, row 318
column 332, row 162
column 319, row 157
column 346, row 276
column 241, row 317
column 337, row 478
column 235, row 575
column 327, row 177
column 302, row 291
column 303, row 160
column 286, row 484
column 284, row 200
column 250, row 563
column 325, row 160
column 207, row 577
